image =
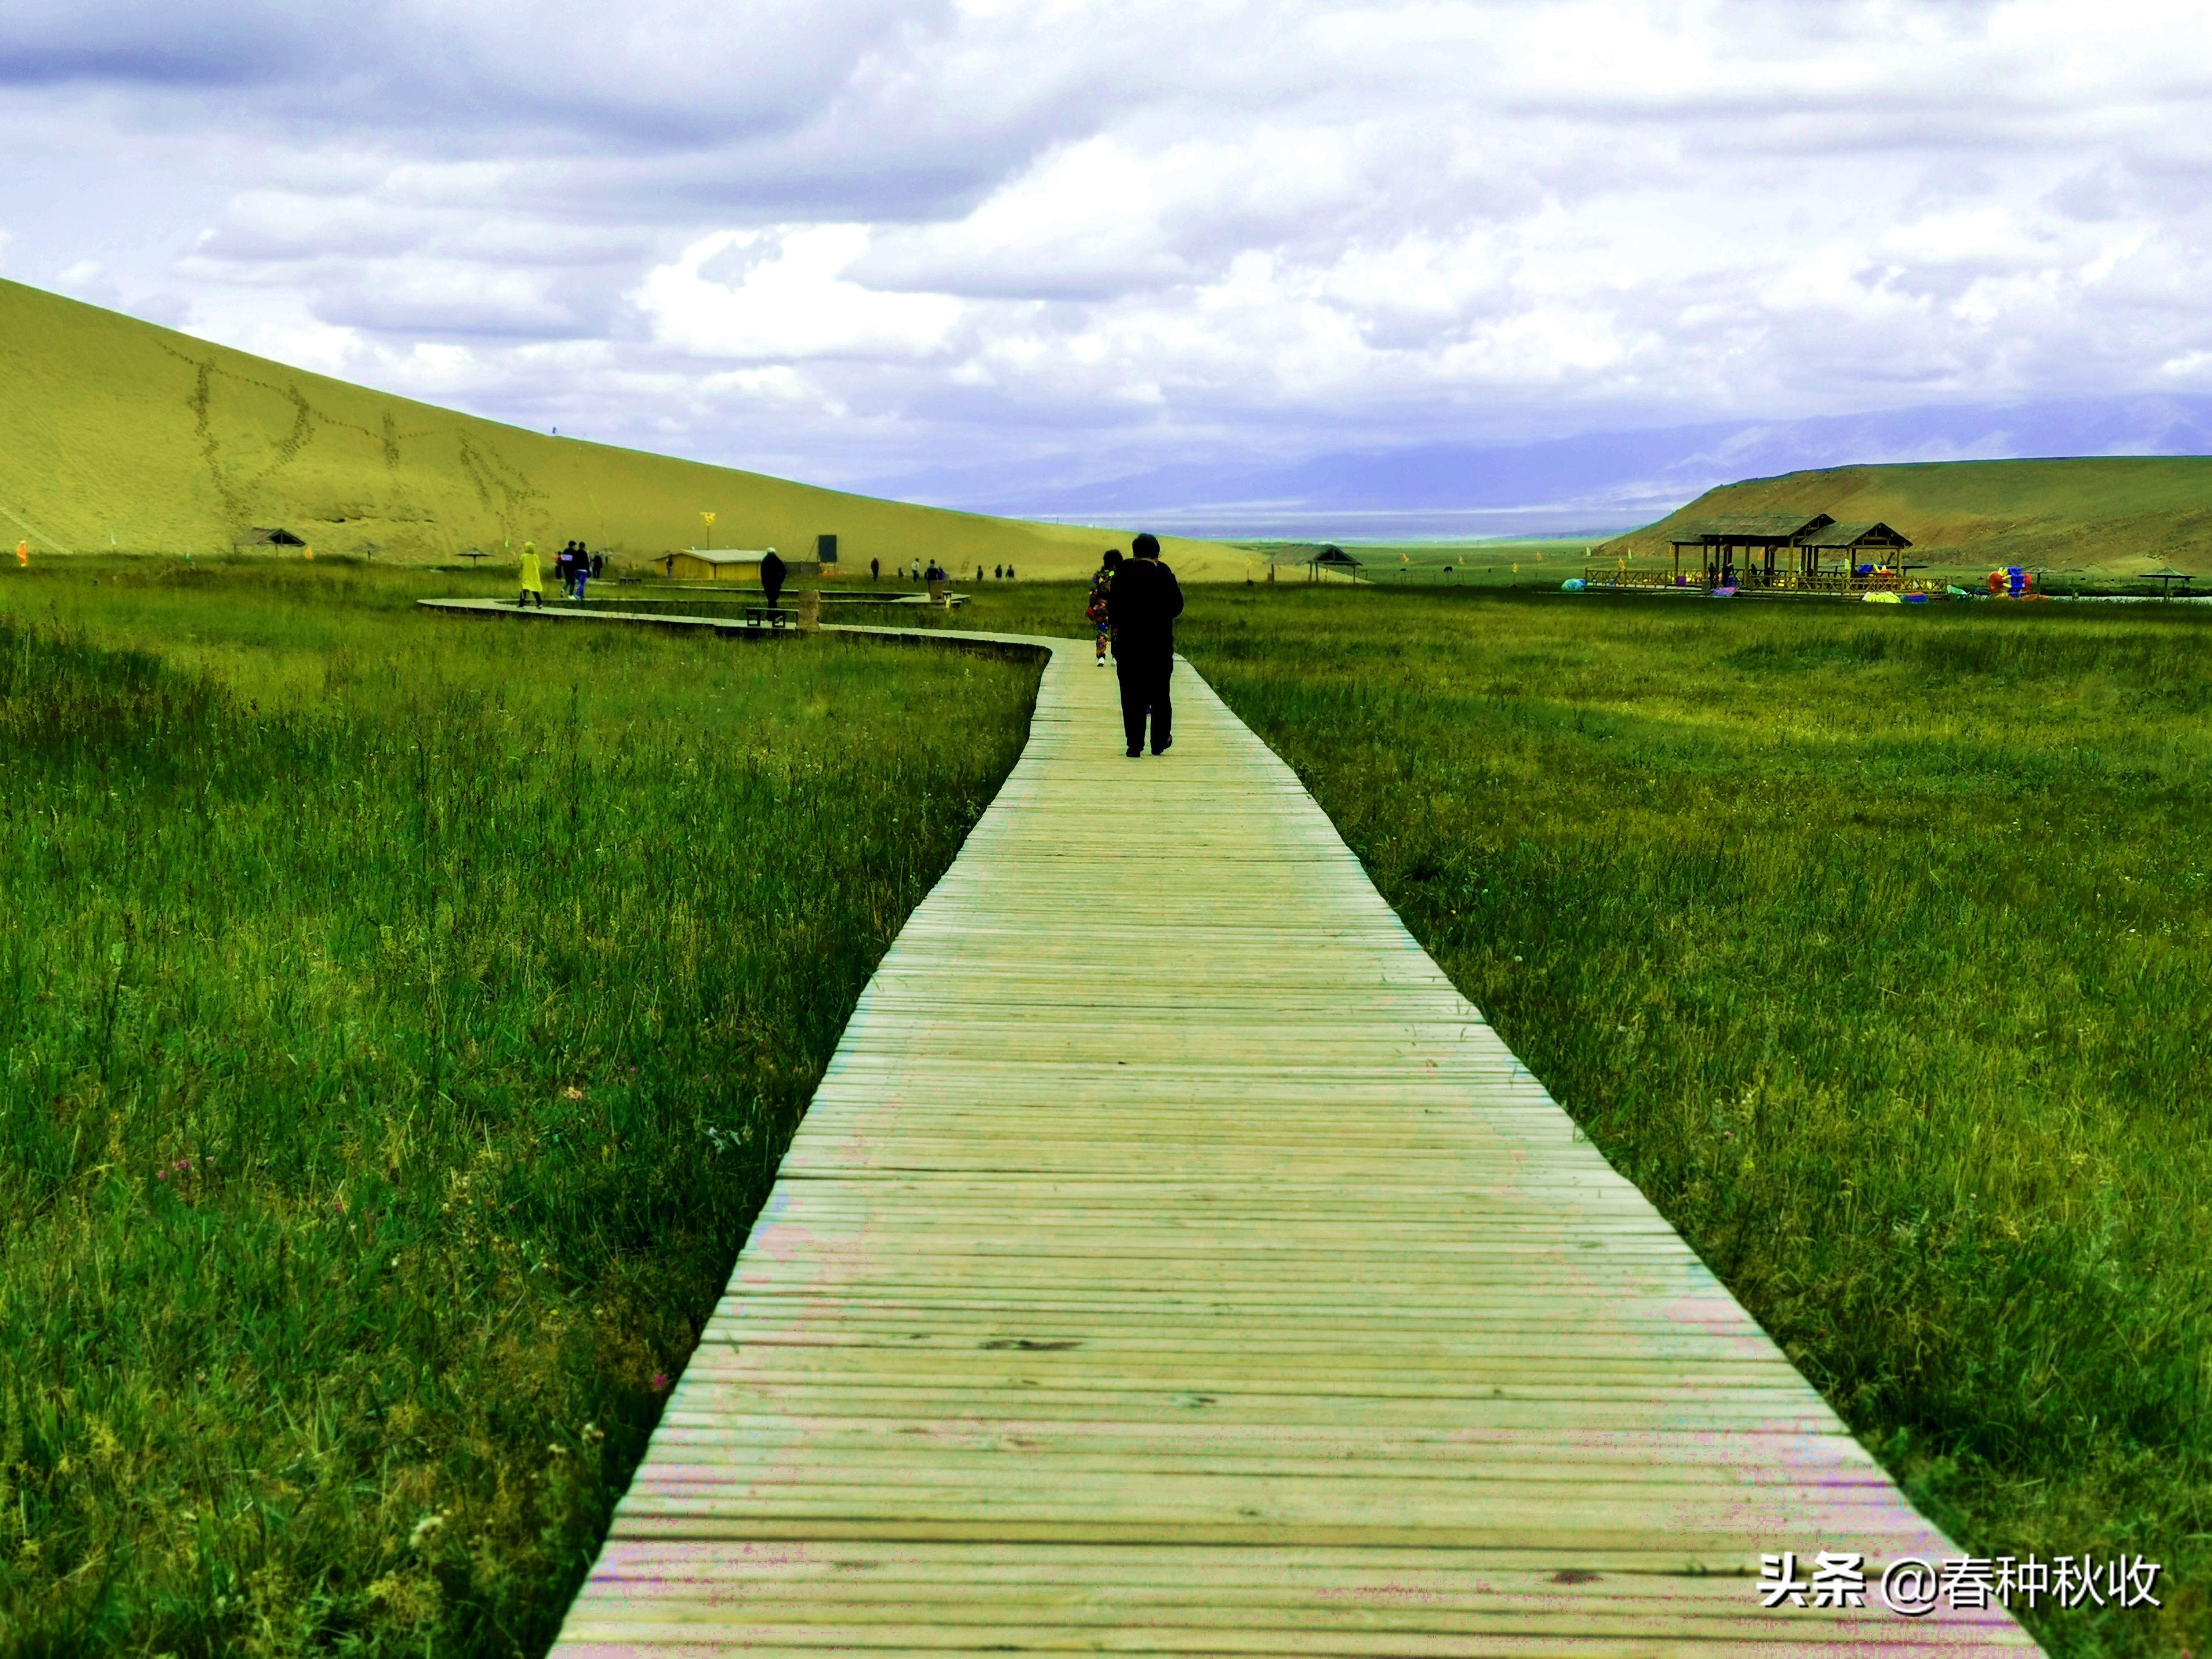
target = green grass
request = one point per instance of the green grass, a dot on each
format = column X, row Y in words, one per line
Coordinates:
column 1875, row 946
column 400, row 1020
column 1485, row 562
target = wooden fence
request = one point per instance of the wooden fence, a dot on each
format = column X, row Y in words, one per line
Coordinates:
column 1825, row 581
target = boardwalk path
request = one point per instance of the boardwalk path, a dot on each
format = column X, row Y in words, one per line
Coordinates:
column 1172, row 1261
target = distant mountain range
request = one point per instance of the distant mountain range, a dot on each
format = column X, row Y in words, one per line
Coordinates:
column 1597, row 483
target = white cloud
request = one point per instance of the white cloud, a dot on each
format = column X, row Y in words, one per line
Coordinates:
column 837, row 236
column 780, row 293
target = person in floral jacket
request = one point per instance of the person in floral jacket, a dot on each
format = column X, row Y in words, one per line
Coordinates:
column 1101, row 585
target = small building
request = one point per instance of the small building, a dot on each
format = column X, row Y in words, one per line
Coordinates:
column 730, row 564
column 1744, row 549
column 1334, row 559
column 1772, row 549
column 265, row 535
column 1873, row 544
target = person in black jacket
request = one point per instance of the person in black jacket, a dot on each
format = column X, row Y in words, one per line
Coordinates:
column 771, row 578
column 1141, row 607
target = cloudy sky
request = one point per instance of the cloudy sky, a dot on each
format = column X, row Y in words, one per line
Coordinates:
column 990, row 248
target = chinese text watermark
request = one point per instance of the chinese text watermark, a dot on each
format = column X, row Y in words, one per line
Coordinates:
column 1913, row 1587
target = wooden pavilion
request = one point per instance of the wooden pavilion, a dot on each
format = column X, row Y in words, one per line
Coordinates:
column 1332, row 558
column 1743, row 551
column 1875, row 540
column 1785, row 550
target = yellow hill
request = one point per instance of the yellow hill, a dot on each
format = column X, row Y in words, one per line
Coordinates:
column 118, row 434
column 2120, row 515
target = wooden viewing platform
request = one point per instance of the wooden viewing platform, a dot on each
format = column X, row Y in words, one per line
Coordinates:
column 1172, row 1261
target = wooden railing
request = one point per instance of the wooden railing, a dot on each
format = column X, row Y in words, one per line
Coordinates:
column 1781, row 581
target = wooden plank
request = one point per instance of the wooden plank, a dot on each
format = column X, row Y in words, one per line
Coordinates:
column 1172, row 1262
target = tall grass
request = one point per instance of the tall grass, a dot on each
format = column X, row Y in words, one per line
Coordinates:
column 1877, row 950
column 402, row 1017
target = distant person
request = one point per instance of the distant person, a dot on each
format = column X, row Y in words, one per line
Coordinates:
column 917, row 569
column 598, row 564
column 533, row 581
column 1101, row 585
column 1141, row 606
column 581, row 567
column 1010, row 573
column 875, row 571
column 979, row 573
column 998, row 573
column 771, row 577
column 23, row 552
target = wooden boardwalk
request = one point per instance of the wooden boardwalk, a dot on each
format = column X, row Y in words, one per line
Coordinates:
column 1172, row 1262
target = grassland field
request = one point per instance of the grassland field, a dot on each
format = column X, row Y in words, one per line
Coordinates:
column 1873, row 944
column 400, row 1021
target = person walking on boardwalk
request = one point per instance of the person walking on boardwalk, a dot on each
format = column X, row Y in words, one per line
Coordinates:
column 1101, row 585
column 771, row 577
column 533, row 579
column 581, row 568
column 1141, row 607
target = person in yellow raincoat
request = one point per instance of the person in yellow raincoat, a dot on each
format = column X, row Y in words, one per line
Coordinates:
column 533, row 581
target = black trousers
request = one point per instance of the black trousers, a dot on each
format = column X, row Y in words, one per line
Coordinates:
column 1144, row 691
